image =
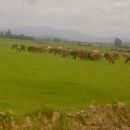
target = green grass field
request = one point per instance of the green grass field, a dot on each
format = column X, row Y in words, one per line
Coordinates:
column 28, row 81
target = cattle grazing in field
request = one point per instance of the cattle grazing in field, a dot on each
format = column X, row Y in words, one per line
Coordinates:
column 59, row 50
column 23, row 47
column 125, row 55
column 73, row 53
column 115, row 55
column 30, row 49
column 35, row 49
column 18, row 48
column 83, row 54
column 92, row 55
column 14, row 46
column 109, row 57
column 127, row 60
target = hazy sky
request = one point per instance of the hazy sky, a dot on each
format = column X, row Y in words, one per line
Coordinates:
column 97, row 17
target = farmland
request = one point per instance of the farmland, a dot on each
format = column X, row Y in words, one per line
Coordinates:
column 29, row 80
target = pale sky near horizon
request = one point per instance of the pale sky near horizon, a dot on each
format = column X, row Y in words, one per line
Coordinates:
column 96, row 17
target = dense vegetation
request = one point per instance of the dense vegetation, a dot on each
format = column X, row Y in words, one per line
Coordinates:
column 9, row 34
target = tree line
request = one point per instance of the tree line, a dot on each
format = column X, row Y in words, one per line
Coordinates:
column 9, row 34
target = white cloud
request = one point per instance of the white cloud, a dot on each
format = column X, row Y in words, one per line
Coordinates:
column 32, row 2
column 98, row 17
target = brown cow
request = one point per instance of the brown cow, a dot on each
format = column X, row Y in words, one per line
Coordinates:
column 127, row 60
column 109, row 57
column 14, row 46
column 18, row 48
column 95, row 55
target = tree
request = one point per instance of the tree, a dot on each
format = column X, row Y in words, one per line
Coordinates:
column 8, row 33
column 118, row 43
column 1, row 34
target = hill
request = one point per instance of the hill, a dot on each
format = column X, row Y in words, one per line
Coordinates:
column 43, row 32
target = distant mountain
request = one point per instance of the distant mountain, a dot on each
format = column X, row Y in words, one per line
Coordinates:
column 43, row 32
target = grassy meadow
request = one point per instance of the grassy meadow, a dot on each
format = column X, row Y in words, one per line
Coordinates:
column 28, row 81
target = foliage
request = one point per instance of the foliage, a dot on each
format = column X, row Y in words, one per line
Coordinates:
column 118, row 43
column 8, row 34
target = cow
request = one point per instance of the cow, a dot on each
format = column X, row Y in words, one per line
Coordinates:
column 35, row 49
column 73, row 53
column 18, row 48
column 127, row 60
column 109, row 57
column 14, row 46
column 23, row 47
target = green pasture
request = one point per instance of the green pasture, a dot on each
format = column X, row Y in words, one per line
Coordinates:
column 28, row 81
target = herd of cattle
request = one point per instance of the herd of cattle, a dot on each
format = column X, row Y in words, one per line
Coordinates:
column 93, row 55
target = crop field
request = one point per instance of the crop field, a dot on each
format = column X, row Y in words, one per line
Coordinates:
column 30, row 80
